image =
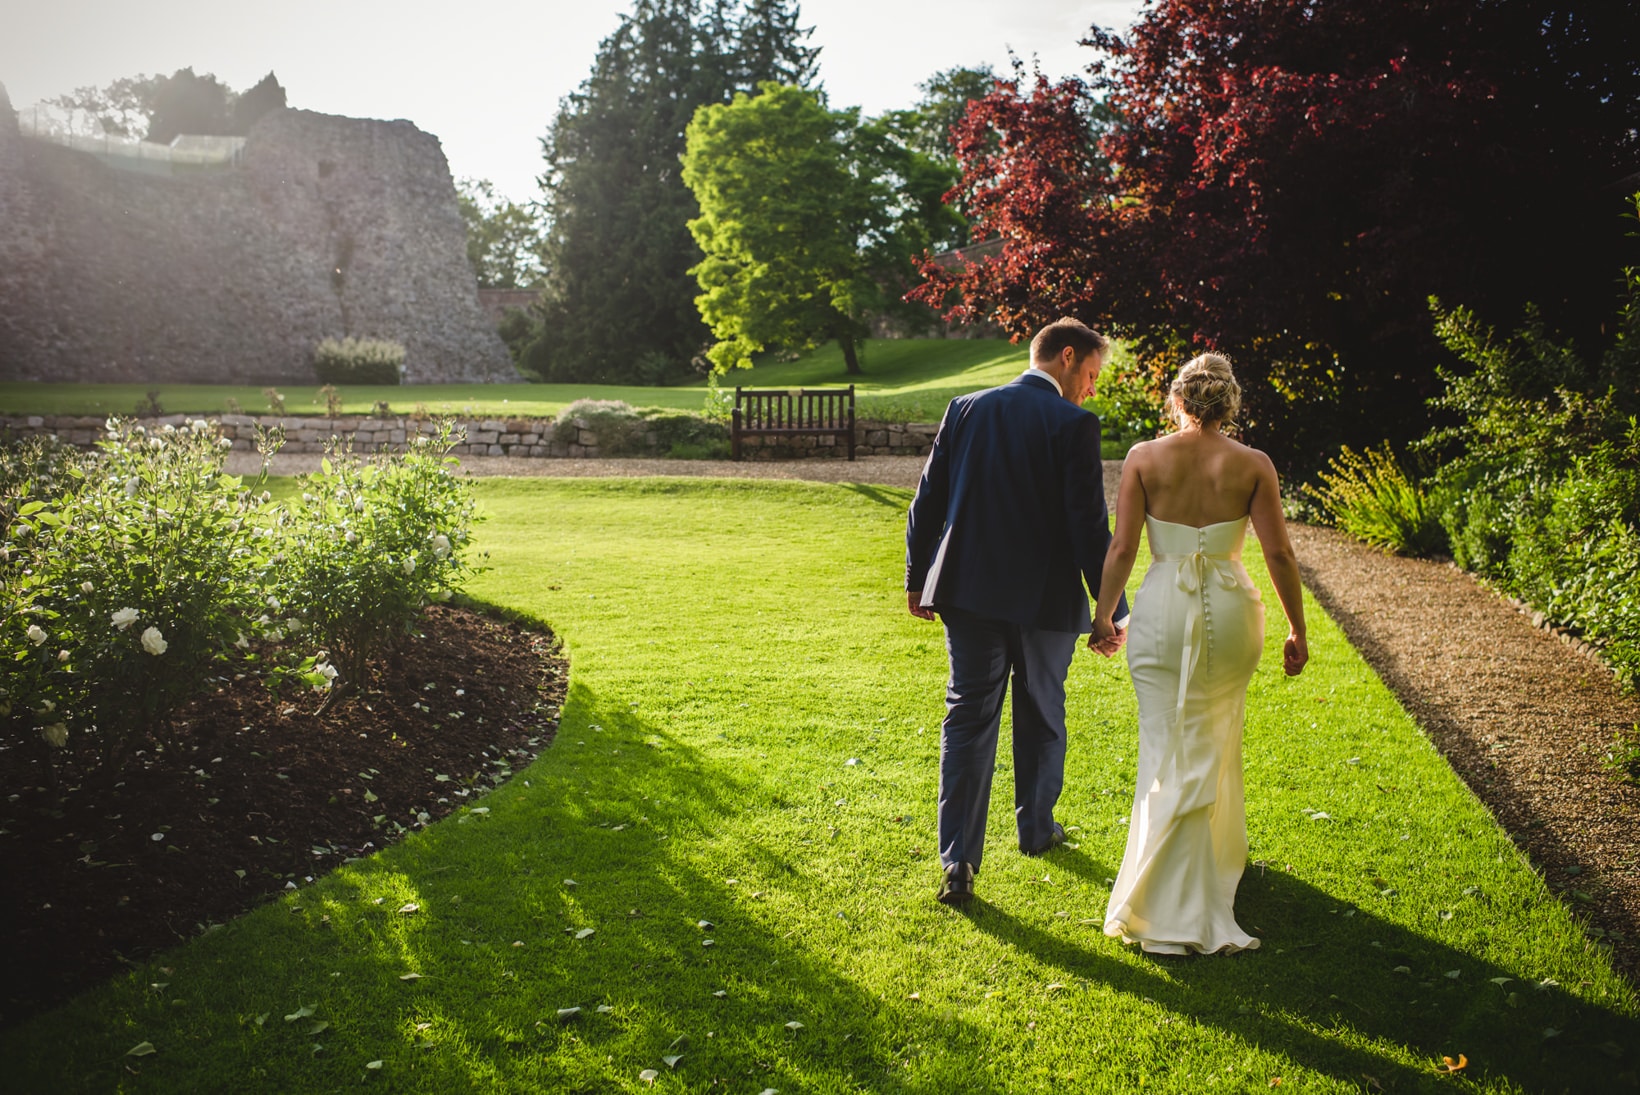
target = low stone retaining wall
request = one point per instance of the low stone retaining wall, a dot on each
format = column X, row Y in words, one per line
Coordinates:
column 529, row 437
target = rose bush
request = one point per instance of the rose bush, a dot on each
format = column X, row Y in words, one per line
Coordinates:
column 366, row 545
column 129, row 573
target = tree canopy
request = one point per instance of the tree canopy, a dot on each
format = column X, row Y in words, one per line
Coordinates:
column 160, row 108
column 1290, row 182
column 619, row 301
column 806, row 217
column 503, row 237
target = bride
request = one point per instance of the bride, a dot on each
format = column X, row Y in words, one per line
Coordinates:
column 1195, row 639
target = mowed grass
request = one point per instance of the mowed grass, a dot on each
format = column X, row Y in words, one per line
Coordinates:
column 908, row 380
column 728, row 857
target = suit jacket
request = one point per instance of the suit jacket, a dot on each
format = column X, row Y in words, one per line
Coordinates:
column 1009, row 519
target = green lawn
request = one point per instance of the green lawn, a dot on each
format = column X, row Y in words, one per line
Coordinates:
column 906, row 380
column 751, row 741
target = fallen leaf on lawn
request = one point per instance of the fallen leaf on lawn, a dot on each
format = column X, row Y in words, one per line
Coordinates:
column 604, row 1009
column 1453, row 1066
column 585, row 932
column 794, row 1025
column 481, row 809
column 300, row 1013
column 721, row 995
column 263, row 1018
column 708, row 942
column 914, row 996
column 649, row 1076
column 518, row 942
column 1055, row 987
column 1403, row 969
column 141, row 1049
column 1501, row 981
column 851, row 762
column 241, row 874
column 672, row 1061
column 372, row 1064
column 570, row 882
column 1550, row 1032
column 409, row 977
column 1548, row 983
column 1275, row 1081
column 568, row 1013
column 424, row 1026
column 1454, row 974
column 705, row 925
column 769, row 1091
column 409, row 907
column 318, row 1027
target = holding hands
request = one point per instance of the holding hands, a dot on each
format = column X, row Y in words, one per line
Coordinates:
column 1107, row 638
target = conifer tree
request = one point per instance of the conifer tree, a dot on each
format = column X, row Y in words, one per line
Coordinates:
column 619, row 301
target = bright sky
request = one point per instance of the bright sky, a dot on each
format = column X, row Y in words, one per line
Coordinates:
column 486, row 77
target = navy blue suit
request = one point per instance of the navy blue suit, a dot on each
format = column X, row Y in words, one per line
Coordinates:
column 1006, row 536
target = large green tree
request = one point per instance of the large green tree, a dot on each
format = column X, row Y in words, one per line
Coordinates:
column 503, row 236
column 807, row 219
column 159, row 108
column 618, row 304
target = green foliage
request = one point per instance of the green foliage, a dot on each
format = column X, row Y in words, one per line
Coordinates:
column 619, row 298
column 623, row 430
column 504, row 238
column 1127, row 403
column 1539, row 486
column 1622, row 759
column 358, row 361
column 129, row 576
column 367, row 544
column 1372, row 498
column 809, row 221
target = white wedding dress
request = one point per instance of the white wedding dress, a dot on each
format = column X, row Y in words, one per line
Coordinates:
column 1195, row 639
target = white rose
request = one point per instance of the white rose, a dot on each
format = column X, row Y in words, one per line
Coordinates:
column 441, row 546
column 242, row 642
column 351, row 537
column 86, row 587
column 199, row 425
column 169, row 428
column 267, row 496
column 62, row 655
column 124, row 618
column 225, row 443
column 131, row 486
column 275, row 636
column 55, row 735
column 154, row 642
column 273, row 603
column 358, row 505
column 36, row 634
column 410, row 565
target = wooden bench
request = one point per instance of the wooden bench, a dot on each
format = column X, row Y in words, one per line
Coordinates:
column 795, row 412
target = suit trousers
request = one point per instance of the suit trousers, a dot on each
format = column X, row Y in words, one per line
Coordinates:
column 984, row 653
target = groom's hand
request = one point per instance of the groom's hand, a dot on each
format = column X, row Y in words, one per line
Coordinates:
column 1107, row 638
column 913, row 601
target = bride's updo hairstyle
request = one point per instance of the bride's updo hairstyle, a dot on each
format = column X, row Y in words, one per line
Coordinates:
column 1205, row 391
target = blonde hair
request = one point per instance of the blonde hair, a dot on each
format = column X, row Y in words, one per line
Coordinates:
column 1206, row 391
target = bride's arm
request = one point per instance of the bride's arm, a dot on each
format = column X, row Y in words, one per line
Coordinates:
column 1271, row 528
column 1124, row 545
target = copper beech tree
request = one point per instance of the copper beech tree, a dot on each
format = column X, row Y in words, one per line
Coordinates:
column 1292, row 180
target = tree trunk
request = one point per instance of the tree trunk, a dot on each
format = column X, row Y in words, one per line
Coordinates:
column 851, row 359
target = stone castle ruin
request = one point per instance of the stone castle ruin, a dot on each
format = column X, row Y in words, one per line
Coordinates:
column 320, row 226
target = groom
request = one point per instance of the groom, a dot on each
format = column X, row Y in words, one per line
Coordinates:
column 1008, row 523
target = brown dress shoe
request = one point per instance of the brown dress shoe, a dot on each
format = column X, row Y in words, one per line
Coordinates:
column 957, row 887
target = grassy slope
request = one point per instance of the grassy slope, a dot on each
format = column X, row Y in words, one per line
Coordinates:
column 910, row 380
column 732, row 647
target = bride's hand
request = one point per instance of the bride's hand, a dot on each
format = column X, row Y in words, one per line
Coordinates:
column 1294, row 654
column 1105, row 640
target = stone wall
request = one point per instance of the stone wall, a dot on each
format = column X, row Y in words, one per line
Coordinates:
column 330, row 226
column 528, row 437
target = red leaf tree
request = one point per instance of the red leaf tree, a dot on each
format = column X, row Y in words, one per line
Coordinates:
column 1290, row 181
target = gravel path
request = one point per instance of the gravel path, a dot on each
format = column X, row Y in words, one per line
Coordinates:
column 1521, row 717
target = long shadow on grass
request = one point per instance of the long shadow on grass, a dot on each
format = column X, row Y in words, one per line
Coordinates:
column 452, row 961
column 1346, row 979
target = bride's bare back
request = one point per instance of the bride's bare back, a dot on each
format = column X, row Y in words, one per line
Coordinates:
column 1196, row 477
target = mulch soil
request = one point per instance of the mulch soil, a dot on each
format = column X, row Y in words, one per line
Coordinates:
column 256, row 795
column 1522, row 717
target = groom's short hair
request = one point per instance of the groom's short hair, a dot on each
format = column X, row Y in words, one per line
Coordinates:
column 1051, row 341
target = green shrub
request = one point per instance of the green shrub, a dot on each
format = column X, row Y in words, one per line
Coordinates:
column 129, row 579
column 1372, row 498
column 367, row 545
column 1539, row 484
column 1622, row 758
column 623, row 430
column 358, row 361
